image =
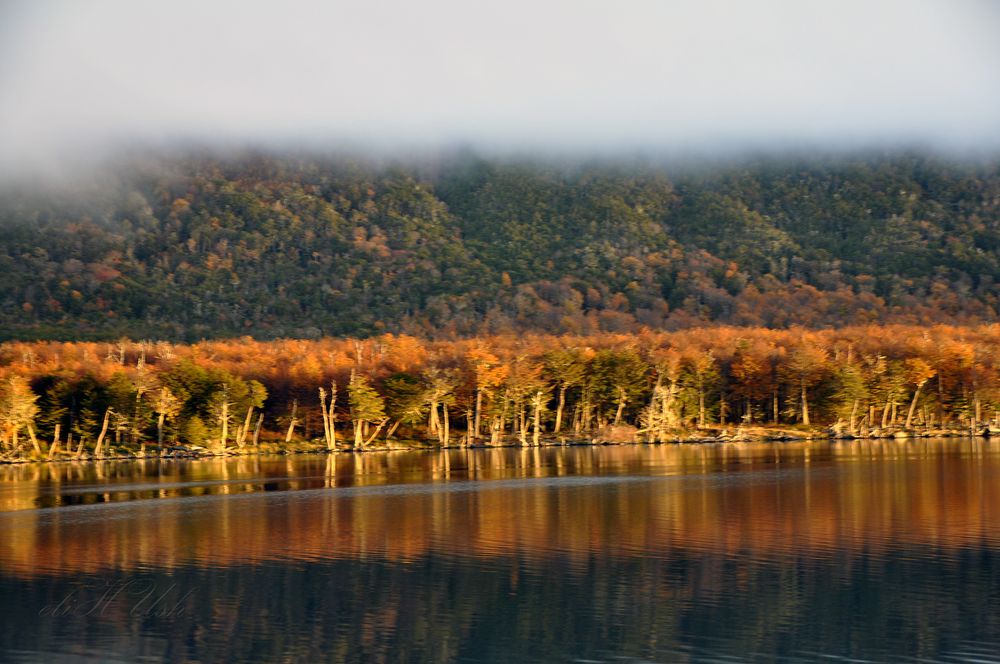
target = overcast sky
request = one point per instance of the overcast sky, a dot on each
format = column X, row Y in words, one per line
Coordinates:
column 563, row 74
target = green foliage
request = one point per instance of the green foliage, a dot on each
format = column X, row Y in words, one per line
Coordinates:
column 618, row 376
column 565, row 367
column 280, row 247
column 366, row 404
column 847, row 387
column 88, row 402
column 203, row 391
column 404, row 397
column 54, row 404
column 194, row 431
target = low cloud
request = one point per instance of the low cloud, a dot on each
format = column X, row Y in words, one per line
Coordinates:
column 77, row 78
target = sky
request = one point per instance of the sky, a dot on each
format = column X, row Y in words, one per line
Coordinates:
column 79, row 78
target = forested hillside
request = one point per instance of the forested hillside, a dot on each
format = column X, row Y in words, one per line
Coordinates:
column 279, row 246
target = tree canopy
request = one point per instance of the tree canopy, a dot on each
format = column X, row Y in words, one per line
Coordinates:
column 272, row 246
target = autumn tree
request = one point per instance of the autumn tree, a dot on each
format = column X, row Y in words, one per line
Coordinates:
column 918, row 372
column 489, row 374
column 17, row 411
column 804, row 367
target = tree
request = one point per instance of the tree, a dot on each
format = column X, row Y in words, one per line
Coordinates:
column 17, row 411
column 620, row 379
column 329, row 416
column 439, row 385
column 804, row 367
column 849, row 391
column 524, row 387
column 751, row 372
column 404, row 395
column 489, row 373
column 661, row 415
column 918, row 372
column 166, row 406
column 367, row 407
column 565, row 368
column 701, row 377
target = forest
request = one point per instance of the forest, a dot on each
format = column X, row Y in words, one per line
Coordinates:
column 93, row 399
column 235, row 301
column 187, row 247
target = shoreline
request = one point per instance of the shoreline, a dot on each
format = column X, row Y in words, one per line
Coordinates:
column 690, row 437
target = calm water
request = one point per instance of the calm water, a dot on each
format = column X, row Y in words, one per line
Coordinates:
column 870, row 551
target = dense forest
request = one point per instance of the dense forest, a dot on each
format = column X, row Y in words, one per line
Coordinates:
column 84, row 398
column 184, row 248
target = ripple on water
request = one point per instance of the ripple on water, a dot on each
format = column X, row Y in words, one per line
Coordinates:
column 804, row 552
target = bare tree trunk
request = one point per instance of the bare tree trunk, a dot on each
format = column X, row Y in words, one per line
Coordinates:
column 54, row 447
column 537, row 403
column 326, row 417
column 392, row 429
column 701, row 407
column 331, row 416
column 433, row 424
column 522, row 432
column 479, row 410
column 134, row 429
column 34, row 440
column 104, row 430
column 224, row 417
column 557, row 427
column 241, row 439
column 375, row 432
column 913, row 405
column 256, row 431
column 805, row 404
column 444, row 424
column 292, row 422
column 499, row 429
column 621, row 406
column 854, row 415
column 940, row 399
column 774, row 405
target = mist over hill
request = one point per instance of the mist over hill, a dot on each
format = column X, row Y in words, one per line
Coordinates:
column 269, row 244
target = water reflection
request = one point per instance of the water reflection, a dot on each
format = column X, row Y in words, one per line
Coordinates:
column 884, row 550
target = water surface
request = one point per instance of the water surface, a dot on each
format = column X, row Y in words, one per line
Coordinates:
column 862, row 550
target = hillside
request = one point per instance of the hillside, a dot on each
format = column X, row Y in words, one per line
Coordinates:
column 270, row 246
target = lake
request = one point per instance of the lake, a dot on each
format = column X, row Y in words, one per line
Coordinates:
column 792, row 552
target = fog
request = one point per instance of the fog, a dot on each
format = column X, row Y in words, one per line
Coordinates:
column 78, row 79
